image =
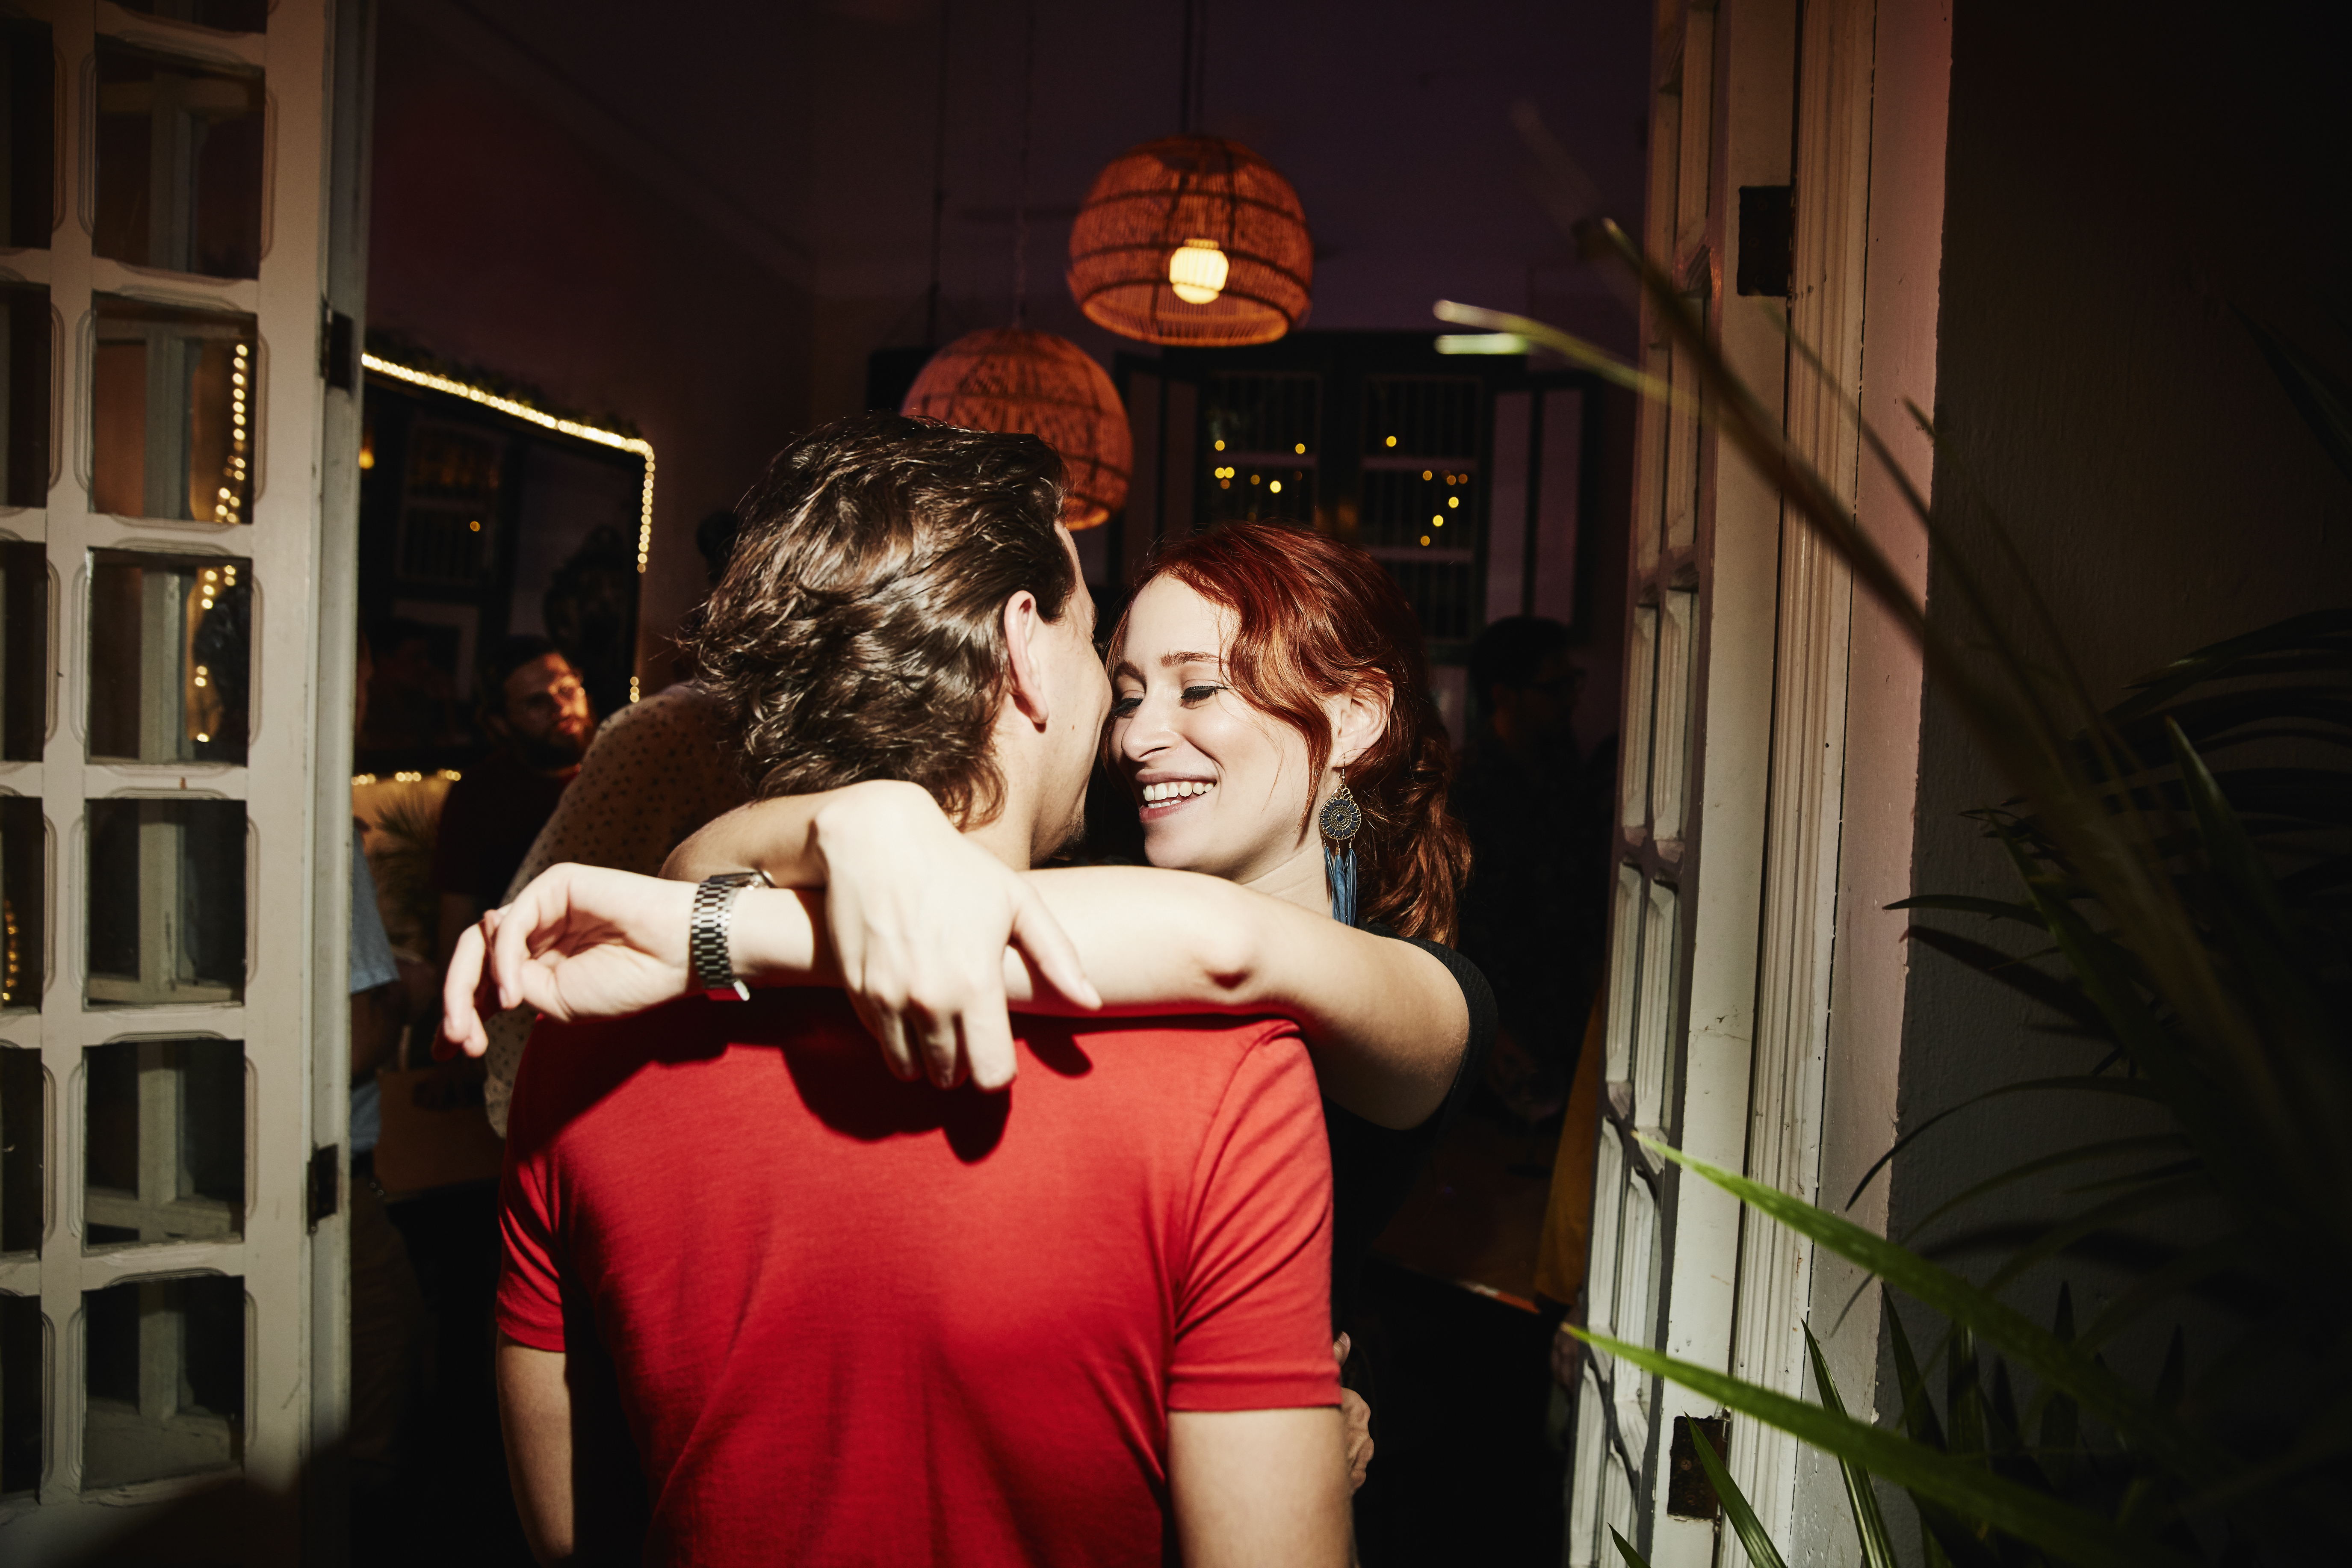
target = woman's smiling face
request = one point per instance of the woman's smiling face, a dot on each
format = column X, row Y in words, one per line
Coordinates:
column 1221, row 787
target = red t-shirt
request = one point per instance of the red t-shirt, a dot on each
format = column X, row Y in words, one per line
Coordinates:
column 859, row 1320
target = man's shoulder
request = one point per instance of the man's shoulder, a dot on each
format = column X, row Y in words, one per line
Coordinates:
column 599, row 1080
column 1183, row 1038
column 1172, row 1071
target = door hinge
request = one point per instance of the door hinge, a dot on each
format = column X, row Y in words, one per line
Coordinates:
column 326, row 1182
column 1767, row 239
column 338, row 360
column 1689, row 1494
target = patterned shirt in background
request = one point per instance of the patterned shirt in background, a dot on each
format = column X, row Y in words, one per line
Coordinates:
column 656, row 771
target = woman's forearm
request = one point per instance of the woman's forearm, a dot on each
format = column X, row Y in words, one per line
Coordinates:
column 1385, row 1023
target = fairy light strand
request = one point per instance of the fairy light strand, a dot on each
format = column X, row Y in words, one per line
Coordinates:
column 508, row 406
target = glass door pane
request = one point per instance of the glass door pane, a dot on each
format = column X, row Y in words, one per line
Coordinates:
column 173, row 415
column 169, row 656
column 166, row 902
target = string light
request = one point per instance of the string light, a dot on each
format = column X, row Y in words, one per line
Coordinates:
column 1274, row 487
column 508, row 406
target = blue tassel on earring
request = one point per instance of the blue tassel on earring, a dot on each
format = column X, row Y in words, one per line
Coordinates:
column 1339, row 820
column 1339, row 871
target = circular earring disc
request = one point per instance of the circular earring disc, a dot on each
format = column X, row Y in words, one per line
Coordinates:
column 1339, row 819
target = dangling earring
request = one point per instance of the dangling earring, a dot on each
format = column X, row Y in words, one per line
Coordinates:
column 1339, row 819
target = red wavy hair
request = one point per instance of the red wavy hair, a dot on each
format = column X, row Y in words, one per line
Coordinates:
column 1317, row 619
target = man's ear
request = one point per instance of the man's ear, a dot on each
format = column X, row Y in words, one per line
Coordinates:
column 1024, row 659
column 1358, row 719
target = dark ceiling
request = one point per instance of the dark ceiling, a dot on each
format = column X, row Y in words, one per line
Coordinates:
column 808, row 129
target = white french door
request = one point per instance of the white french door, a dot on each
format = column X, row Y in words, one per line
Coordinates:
column 1732, row 791
column 180, row 268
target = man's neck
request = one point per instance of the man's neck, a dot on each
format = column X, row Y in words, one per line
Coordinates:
column 1010, row 838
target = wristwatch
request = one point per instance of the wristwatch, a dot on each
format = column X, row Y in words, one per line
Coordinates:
column 706, row 934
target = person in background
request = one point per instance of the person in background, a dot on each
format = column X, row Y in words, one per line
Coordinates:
column 536, row 712
column 1534, row 915
column 387, row 1306
column 658, row 770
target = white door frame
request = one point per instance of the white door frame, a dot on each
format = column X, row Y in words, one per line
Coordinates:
column 293, row 1016
column 1756, row 983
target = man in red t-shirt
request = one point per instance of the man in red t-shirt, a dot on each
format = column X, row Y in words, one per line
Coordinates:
column 851, row 1319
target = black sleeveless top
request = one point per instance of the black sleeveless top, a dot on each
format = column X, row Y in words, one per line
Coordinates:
column 1373, row 1168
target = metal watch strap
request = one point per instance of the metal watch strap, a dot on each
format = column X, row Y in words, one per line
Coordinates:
column 706, row 934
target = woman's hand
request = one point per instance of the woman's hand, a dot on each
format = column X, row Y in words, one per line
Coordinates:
column 579, row 941
column 1356, row 1417
column 919, row 917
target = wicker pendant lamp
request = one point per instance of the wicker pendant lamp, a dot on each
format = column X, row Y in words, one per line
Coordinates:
column 1019, row 381
column 1194, row 240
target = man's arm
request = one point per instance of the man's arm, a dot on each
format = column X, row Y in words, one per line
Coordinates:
column 576, row 1482
column 1254, row 1487
column 535, row 1413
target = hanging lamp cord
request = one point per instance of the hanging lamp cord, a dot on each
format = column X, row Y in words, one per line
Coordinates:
column 1020, row 204
column 939, row 185
column 1192, row 87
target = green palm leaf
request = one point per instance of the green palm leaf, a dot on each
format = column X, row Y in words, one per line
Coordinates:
column 1869, row 1524
column 2035, row 1349
column 1761, row 1553
column 2067, row 1533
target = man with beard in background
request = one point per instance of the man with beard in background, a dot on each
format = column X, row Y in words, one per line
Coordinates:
column 536, row 711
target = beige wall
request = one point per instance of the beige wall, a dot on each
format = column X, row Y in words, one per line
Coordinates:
column 505, row 237
column 2118, row 177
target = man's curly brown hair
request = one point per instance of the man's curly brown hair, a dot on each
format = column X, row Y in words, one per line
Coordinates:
column 859, row 632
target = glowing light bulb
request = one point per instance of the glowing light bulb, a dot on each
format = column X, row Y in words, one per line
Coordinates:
column 1221, row 445
column 1275, row 486
column 1452, row 501
column 1300, row 448
column 1392, row 442
column 1196, row 270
